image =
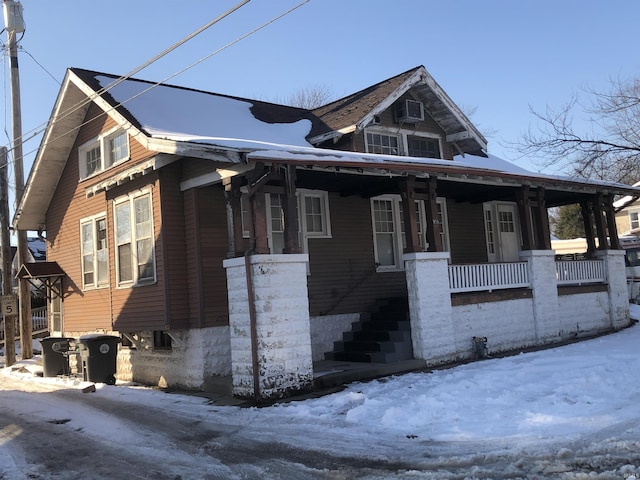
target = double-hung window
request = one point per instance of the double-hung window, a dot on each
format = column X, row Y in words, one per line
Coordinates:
column 312, row 216
column 103, row 152
column 135, row 254
column 389, row 229
column 95, row 266
column 634, row 219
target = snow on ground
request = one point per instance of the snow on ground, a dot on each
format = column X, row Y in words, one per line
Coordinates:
column 567, row 412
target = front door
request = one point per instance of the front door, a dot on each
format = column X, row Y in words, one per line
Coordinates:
column 502, row 232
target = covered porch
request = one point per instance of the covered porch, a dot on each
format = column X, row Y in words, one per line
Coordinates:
column 463, row 281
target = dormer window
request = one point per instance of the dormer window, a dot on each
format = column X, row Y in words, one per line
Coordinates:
column 381, row 143
column 103, row 152
column 403, row 142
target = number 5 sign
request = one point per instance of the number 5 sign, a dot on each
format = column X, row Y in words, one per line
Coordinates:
column 9, row 305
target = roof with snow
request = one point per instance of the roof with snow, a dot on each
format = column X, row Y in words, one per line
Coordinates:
column 185, row 122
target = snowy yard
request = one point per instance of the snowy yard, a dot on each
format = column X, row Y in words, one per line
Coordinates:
column 569, row 413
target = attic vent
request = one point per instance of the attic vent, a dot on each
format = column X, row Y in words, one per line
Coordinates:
column 409, row 111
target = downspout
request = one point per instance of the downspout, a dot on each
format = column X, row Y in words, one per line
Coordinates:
column 253, row 326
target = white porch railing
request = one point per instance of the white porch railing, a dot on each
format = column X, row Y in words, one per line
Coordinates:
column 40, row 323
column 579, row 272
column 488, row 276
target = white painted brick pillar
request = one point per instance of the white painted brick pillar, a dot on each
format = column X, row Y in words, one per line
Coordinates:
column 280, row 299
column 617, row 285
column 544, row 286
column 430, row 306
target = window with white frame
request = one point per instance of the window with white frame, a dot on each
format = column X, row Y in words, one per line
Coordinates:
column 135, row 254
column 403, row 142
column 383, row 143
column 103, row 152
column 312, row 213
column 423, row 147
column 634, row 219
column 389, row 230
column 93, row 245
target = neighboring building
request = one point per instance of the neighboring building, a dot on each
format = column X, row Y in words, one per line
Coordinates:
column 628, row 214
column 222, row 236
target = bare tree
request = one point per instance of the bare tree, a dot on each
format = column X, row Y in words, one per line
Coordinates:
column 609, row 150
column 308, row 98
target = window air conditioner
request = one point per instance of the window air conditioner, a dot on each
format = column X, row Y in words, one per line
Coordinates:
column 409, row 111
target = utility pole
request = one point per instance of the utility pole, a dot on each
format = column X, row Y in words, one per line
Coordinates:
column 14, row 23
column 5, row 244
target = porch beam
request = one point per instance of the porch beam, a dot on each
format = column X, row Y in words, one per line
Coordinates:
column 289, row 209
column 431, row 207
column 408, row 195
column 526, row 223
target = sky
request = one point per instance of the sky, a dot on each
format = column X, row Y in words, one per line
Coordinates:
column 498, row 57
column 569, row 412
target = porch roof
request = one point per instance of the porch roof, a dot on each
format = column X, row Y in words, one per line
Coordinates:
column 469, row 169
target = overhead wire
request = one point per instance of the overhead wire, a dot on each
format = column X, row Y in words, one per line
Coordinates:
column 161, row 82
column 38, row 129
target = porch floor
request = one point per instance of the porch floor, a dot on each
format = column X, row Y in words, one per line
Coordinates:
column 329, row 376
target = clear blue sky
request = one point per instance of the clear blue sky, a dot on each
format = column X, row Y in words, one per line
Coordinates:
column 499, row 56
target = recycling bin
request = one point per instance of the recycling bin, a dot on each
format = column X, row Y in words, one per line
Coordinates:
column 98, row 357
column 55, row 358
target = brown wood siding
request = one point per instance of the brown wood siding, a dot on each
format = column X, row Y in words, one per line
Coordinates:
column 128, row 309
column 214, row 245
column 174, row 246
column 466, row 232
column 192, row 250
column 342, row 268
column 83, row 310
column 140, row 307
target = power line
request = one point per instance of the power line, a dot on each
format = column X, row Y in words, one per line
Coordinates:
column 137, row 69
column 161, row 82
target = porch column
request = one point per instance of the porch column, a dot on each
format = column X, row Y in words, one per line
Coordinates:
column 617, row 286
column 610, row 214
column 544, row 285
column 269, row 325
column 588, row 226
column 599, row 221
column 526, row 222
column 431, row 205
column 542, row 221
column 430, row 306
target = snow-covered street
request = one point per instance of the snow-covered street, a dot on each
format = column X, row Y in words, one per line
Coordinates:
column 570, row 412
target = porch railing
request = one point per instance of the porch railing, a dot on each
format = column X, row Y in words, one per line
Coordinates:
column 580, row 272
column 488, row 276
column 40, row 323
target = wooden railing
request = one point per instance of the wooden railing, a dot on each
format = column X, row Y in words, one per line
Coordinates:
column 40, row 323
column 488, row 276
column 580, row 272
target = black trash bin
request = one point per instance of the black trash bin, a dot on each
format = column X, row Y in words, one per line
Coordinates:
column 98, row 356
column 55, row 358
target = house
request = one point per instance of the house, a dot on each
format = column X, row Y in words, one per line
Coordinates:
column 220, row 236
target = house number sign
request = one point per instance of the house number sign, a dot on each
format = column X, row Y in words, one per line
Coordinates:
column 9, row 305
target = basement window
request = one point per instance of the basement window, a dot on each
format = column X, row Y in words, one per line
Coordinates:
column 161, row 341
